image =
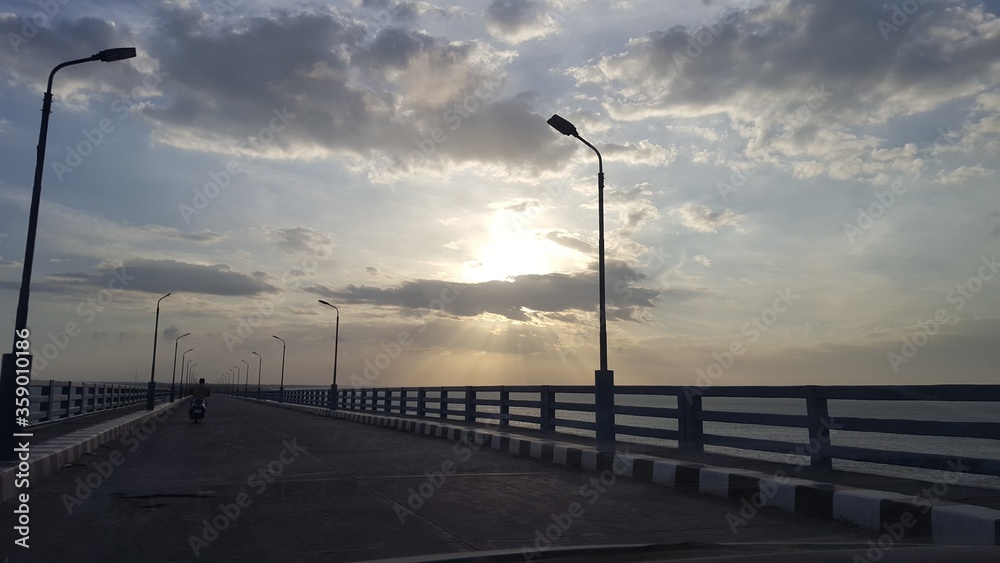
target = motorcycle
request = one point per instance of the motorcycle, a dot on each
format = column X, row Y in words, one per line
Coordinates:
column 197, row 409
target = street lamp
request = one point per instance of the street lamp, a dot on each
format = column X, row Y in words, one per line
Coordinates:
column 185, row 368
column 8, row 368
column 248, row 377
column 332, row 403
column 152, row 370
column 281, row 386
column 260, row 362
column 173, row 372
column 236, row 390
column 604, row 379
column 190, row 372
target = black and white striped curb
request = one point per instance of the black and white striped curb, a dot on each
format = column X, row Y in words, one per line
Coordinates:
column 51, row 455
column 888, row 513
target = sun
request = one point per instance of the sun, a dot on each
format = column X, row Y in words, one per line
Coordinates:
column 506, row 255
column 508, row 252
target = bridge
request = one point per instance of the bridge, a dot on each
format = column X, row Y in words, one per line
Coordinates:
column 263, row 480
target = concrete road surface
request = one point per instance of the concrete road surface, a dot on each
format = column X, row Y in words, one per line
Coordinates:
column 258, row 483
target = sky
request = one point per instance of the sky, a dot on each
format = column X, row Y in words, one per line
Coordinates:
column 797, row 192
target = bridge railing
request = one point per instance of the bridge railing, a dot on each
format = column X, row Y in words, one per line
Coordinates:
column 53, row 400
column 680, row 414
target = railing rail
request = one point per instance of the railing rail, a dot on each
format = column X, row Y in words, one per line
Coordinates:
column 52, row 400
column 551, row 407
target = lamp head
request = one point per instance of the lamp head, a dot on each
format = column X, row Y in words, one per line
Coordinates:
column 111, row 55
column 563, row 126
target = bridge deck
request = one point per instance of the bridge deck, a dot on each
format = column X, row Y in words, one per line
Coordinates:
column 311, row 488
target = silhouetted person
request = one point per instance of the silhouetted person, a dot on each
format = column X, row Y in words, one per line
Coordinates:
column 201, row 391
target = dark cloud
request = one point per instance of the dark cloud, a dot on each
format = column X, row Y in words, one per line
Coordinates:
column 304, row 239
column 387, row 12
column 158, row 276
column 400, row 93
column 200, row 237
column 543, row 293
column 775, row 53
column 570, row 242
column 638, row 214
column 29, row 57
column 508, row 131
column 515, row 21
column 306, row 85
column 392, row 49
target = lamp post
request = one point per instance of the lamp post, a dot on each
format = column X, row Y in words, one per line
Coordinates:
column 173, row 372
column 236, row 390
column 15, row 364
column 604, row 379
column 332, row 403
column 281, row 386
column 152, row 370
column 185, row 368
column 245, row 385
column 260, row 362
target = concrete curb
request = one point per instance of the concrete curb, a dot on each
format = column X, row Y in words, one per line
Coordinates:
column 50, row 456
column 891, row 514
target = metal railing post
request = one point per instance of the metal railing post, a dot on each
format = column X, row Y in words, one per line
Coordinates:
column 545, row 413
column 819, row 431
column 504, row 407
column 689, row 424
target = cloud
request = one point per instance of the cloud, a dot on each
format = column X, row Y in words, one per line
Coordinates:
column 643, row 152
column 304, row 239
column 962, row 174
column 28, row 60
column 702, row 219
column 516, row 300
column 637, row 214
column 204, row 236
column 569, row 241
column 516, row 21
column 159, row 276
column 391, row 103
column 801, row 80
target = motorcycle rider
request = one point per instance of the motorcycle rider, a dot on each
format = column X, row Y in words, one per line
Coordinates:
column 200, row 391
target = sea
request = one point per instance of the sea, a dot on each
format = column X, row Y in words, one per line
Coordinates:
column 904, row 410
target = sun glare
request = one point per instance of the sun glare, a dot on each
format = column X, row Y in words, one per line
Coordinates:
column 512, row 252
